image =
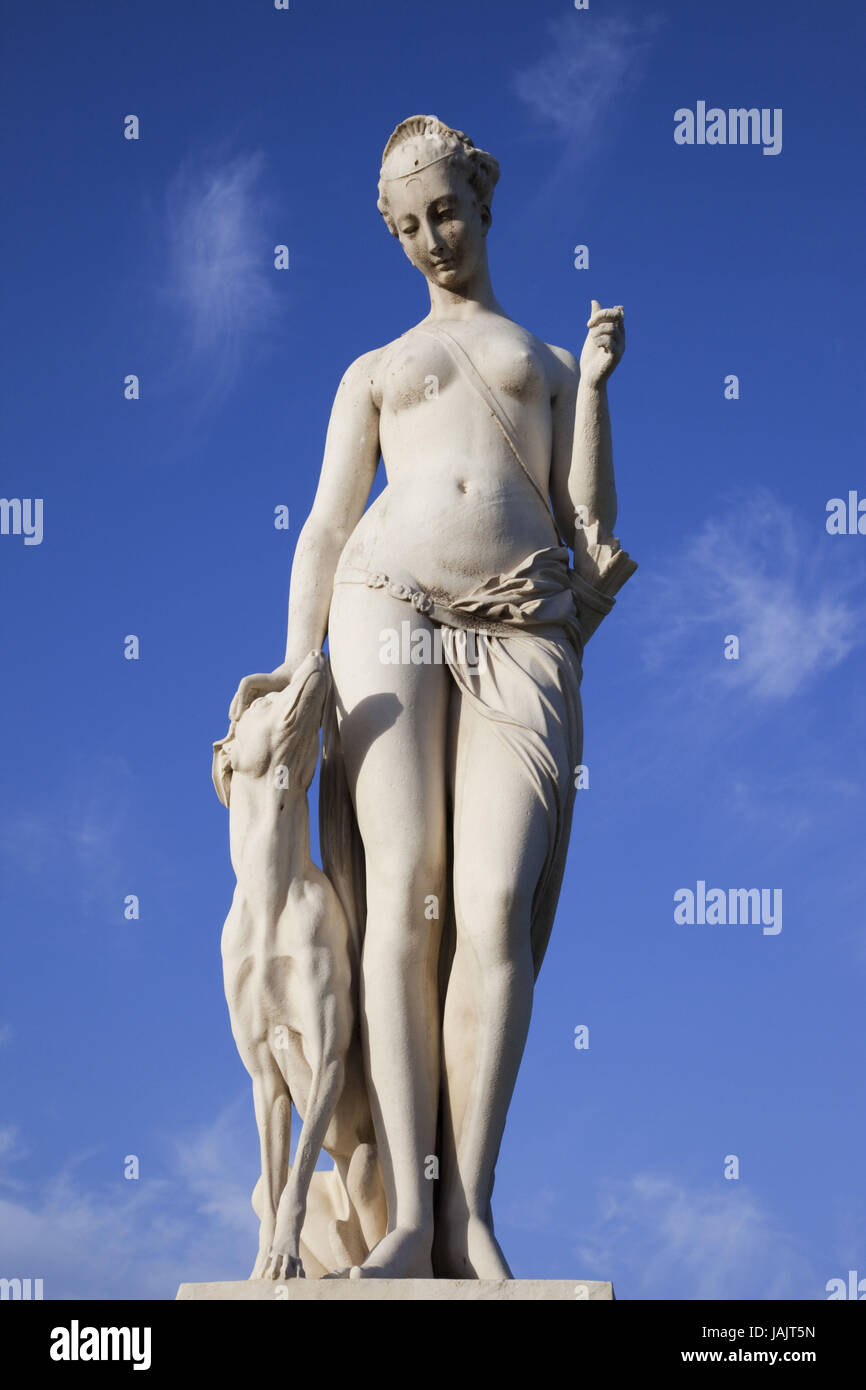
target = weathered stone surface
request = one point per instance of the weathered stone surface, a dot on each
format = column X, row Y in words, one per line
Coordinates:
column 407, row 1290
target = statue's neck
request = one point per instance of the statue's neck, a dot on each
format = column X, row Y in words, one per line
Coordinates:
column 475, row 297
column 269, row 831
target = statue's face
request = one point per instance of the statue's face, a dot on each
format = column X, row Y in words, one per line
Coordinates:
column 440, row 225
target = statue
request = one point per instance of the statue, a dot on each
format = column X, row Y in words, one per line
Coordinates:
column 448, row 765
column 290, row 966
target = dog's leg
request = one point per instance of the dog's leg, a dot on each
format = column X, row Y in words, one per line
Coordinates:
column 273, row 1109
column 325, row 1088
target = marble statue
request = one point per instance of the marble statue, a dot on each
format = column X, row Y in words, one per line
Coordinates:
column 290, row 966
column 402, row 973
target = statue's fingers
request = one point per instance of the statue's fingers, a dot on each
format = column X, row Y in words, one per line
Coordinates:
column 246, row 692
column 241, row 700
column 614, row 315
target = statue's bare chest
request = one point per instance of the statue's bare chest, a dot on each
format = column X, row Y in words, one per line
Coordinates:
column 420, row 367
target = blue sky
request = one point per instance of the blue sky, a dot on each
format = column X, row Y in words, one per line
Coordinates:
column 155, row 257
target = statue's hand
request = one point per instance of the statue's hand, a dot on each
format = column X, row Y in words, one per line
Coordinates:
column 605, row 343
column 251, row 687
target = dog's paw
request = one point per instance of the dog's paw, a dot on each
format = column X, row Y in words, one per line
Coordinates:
column 282, row 1266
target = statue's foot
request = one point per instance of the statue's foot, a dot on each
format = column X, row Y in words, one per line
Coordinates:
column 403, row 1254
column 468, row 1249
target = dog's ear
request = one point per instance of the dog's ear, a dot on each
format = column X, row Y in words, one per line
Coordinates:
column 221, row 768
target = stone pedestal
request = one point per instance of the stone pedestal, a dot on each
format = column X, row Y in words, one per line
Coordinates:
column 401, row 1290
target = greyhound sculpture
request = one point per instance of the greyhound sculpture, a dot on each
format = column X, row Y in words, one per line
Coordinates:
column 290, row 978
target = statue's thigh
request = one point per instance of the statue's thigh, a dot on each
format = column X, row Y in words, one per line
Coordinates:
column 517, row 736
column 393, row 720
column 505, row 822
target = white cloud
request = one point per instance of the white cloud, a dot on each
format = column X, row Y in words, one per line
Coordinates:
column 210, row 1161
column 755, row 571
column 220, row 257
column 139, row 1239
column 664, row 1241
column 588, row 72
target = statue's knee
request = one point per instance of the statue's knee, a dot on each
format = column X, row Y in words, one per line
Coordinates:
column 407, row 887
column 494, row 918
column 491, row 898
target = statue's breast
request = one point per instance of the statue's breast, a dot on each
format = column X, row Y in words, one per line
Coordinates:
column 510, row 365
column 417, row 371
column 421, row 368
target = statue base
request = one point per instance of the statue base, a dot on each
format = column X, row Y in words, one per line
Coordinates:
column 404, row 1290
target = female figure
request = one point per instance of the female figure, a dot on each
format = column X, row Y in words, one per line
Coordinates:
column 459, row 759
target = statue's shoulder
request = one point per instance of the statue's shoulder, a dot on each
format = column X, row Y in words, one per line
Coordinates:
column 366, row 374
column 360, row 381
column 559, row 364
column 364, row 366
column 564, row 363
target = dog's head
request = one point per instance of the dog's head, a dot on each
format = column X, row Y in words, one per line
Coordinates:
column 277, row 730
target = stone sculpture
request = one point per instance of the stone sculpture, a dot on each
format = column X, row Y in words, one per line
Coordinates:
column 290, row 967
column 447, row 780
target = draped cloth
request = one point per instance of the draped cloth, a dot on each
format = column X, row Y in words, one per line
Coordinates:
column 521, row 674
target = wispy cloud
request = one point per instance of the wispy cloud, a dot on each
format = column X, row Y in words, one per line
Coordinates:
column 220, row 260
column 666, row 1241
column 80, row 828
column 209, row 1163
column 137, row 1239
column 793, row 801
column 8, row 1140
column 591, row 64
column 755, row 572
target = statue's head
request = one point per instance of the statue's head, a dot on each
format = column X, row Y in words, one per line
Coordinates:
column 280, row 729
column 435, row 190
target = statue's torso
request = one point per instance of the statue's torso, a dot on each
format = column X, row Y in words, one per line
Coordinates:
column 458, row 507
